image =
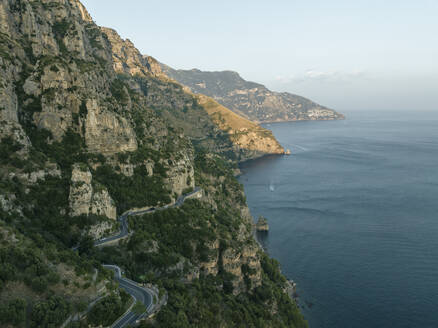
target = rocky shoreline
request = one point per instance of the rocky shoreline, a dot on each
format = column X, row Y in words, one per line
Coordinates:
column 291, row 286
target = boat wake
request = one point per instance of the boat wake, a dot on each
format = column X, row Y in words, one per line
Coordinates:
column 300, row 147
column 271, row 187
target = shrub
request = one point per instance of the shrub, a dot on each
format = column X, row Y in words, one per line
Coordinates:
column 61, row 28
column 118, row 90
column 106, row 311
column 49, row 313
column 54, row 68
column 130, row 192
column 33, row 106
column 13, row 312
column 8, row 148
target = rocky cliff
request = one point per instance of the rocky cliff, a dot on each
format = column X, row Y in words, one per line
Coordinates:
column 85, row 199
column 251, row 100
column 90, row 129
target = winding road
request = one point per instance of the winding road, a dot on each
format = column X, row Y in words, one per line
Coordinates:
column 138, row 293
column 124, row 229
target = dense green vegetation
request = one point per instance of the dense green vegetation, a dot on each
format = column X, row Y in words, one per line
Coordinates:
column 119, row 91
column 207, row 301
column 32, row 259
column 43, row 203
column 179, row 237
column 13, row 312
column 175, row 230
column 200, row 304
column 220, row 168
column 131, row 192
column 44, row 230
column 33, row 263
column 108, row 310
column 8, row 156
column 71, row 149
column 50, row 313
column 26, row 265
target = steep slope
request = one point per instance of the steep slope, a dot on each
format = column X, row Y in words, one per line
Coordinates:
column 198, row 116
column 251, row 100
column 251, row 137
column 89, row 130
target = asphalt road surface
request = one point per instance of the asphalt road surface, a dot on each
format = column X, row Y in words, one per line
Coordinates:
column 137, row 292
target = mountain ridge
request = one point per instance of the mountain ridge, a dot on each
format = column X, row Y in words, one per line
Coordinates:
column 252, row 100
column 249, row 141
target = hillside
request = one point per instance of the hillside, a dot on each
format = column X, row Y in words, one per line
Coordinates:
column 244, row 134
column 196, row 115
column 90, row 129
column 251, row 100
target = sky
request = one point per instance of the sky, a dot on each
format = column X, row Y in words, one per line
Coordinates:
column 345, row 54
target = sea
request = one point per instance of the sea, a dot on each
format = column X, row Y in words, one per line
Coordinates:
column 353, row 216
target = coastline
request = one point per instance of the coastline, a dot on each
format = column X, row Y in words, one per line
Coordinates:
column 307, row 120
column 251, row 160
column 291, row 286
column 374, row 162
column 254, row 233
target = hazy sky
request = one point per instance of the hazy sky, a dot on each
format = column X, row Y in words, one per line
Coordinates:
column 346, row 54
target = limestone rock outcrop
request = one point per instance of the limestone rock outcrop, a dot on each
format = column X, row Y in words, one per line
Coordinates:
column 262, row 224
column 85, row 199
column 106, row 132
column 235, row 261
column 7, row 204
column 211, row 266
column 127, row 59
column 51, row 170
column 181, row 174
column 102, row 229
column 9, row 123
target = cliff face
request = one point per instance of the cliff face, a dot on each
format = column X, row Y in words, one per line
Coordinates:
column 251, row 100
column 55, row 75
column 181, row 174
column 127, row 59
column 89, row 129
column 57, row 78
column 88, row 101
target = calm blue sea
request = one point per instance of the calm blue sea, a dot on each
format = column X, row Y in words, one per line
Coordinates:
column 354, row 217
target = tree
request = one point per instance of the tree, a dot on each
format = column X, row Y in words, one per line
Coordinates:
column 50, row 313
column 13, row 312
column 86, row 244
column 139, row 308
